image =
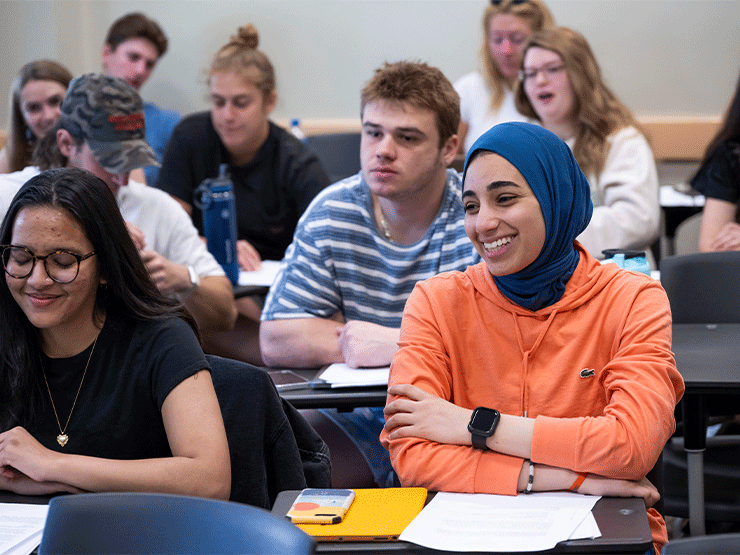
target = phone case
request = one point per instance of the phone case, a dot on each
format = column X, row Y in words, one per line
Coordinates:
column 321, row 506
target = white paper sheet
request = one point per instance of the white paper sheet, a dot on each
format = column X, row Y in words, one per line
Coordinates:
column 341, row 375
column 480, row 522
column 20, row 527
column 669, row 196
column 262, row 277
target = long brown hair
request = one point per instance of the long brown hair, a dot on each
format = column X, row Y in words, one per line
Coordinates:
column 19, row 146
column 598, row 111
column 537, row 16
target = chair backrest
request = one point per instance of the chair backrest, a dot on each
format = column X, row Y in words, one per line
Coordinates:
column 703, row 287
column 272, row 447
column 339, row 153
column 686, row 238
column 715, row 544
column 159, row 523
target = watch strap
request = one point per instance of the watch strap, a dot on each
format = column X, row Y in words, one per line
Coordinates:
column 479, row 441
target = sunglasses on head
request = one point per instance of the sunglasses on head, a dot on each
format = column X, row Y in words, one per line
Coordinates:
column 513, row 2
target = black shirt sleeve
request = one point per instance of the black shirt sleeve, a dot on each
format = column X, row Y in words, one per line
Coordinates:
column 719, row 177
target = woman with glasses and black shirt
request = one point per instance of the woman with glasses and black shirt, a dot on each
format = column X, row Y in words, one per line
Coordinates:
column 487, row 96
column 561, row 86
column 103, row 385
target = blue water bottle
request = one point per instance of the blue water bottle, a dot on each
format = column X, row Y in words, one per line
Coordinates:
column 215, row 198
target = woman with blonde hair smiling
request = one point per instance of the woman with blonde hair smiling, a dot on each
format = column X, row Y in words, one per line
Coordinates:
column 486, row 96
column 561, row 86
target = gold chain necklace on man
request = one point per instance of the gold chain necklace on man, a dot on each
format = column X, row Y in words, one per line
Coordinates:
column 63, row 438
column 384, row 224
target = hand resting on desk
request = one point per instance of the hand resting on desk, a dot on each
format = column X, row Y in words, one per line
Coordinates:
column 416, row 413
column 18, row 449
column 365, row 344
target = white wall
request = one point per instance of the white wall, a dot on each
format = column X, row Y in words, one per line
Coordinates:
column 662, row 57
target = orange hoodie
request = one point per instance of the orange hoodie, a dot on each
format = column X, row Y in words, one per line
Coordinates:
column 595, row 370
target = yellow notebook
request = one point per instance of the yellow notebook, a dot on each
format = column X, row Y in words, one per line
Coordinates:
column 375, row 515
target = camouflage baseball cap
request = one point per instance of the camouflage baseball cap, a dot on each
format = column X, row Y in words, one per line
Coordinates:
column 108, row 114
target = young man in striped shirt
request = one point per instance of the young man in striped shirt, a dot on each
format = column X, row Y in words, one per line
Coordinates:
column 365, row 241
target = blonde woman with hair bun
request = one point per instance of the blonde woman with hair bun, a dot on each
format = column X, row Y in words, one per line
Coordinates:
column 486, row 96
column 561, row 86
column 274, row 174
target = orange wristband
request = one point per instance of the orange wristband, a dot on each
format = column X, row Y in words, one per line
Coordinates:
column 578, row 482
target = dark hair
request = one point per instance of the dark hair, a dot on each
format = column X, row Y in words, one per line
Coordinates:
column 46, row 153
column 422, row 86
column 19, row 147
column 136, row 26
column 128, row 293
column 730, row 128
column 240, row 54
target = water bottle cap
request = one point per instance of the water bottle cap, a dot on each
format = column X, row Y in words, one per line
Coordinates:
column 295, row 122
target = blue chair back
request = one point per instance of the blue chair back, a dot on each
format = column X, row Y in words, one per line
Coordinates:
column 716, row 544
column 144, row 523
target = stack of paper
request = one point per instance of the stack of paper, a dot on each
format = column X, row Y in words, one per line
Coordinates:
column 480, row 522
column 341, row 375
column 262, row 277
column 21, row 526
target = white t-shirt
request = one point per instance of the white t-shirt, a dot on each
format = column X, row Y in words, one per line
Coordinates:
column 167, row 228
column 475, row 107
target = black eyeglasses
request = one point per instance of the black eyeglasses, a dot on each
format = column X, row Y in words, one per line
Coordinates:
column 513, row 2
column 60, row 266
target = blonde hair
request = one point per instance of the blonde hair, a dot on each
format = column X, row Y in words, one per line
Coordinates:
column 537, row 16
column 240, row 54
column 19, row 146
column 597, row 111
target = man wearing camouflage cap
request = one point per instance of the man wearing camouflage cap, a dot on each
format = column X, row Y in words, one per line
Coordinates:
column 101, row 129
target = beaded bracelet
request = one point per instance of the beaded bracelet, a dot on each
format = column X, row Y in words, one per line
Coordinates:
column 531, row 478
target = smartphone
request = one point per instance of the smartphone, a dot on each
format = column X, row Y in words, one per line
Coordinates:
column 320, row 506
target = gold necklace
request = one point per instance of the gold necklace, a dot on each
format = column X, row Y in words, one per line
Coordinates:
column 63, row 438
column 384, row 224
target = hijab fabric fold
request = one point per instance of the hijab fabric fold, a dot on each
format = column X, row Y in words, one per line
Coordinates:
column 563, row 192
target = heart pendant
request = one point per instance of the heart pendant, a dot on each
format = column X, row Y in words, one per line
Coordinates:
column 62, row 439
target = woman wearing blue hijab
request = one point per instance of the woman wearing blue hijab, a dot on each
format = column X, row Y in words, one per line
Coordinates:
column 538, row 369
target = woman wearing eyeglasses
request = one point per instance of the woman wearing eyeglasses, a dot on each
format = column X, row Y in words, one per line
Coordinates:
column 103, row 385
column 486, row 96
column 562, row 87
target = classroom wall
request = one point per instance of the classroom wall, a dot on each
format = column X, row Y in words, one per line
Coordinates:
column 662, row 57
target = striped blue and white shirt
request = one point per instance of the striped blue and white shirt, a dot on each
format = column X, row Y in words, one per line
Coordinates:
column 340, row 261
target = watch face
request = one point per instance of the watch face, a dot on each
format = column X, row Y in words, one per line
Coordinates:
column 484, row 419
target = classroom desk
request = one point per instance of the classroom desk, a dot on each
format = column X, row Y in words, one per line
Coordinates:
column 342, row 398
column 249, row 290
column 622, row 521
column 708, row 358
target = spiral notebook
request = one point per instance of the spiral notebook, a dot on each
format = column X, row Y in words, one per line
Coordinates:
column 377, row 514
